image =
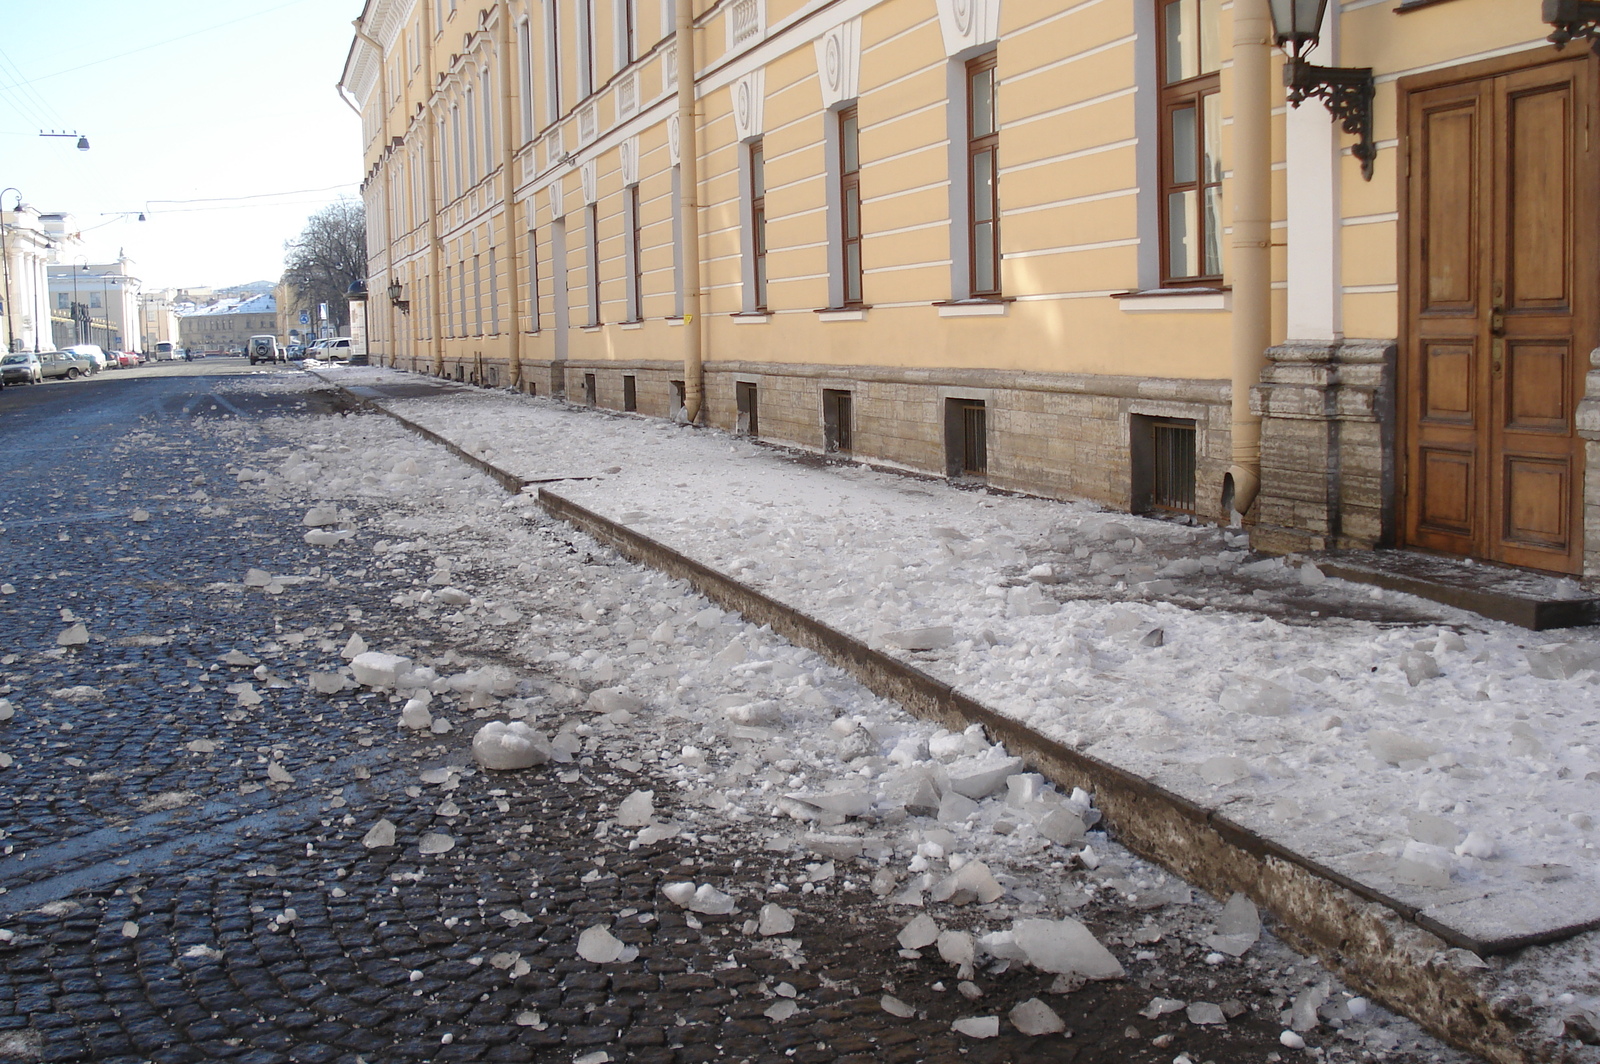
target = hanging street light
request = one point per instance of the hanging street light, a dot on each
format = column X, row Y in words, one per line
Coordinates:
column 1345, row 91
column 1574, row 20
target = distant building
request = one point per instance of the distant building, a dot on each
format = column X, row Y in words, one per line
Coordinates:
column 226, row 324
column 25, row 248
column 96, row 303
column 158, row 319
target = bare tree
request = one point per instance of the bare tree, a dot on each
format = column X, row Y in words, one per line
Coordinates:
column 329, row 255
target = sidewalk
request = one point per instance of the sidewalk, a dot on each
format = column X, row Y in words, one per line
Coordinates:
column 1407, row 787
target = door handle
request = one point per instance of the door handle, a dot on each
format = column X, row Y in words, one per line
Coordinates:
column 1497, row 356
column 1497, row 322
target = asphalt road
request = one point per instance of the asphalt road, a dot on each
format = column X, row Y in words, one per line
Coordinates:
column 185, row 864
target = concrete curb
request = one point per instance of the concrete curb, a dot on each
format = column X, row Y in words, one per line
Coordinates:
column 1374, row 942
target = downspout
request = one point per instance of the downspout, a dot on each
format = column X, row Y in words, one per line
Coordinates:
column 434, row 167
column 508, row 158
column 1251, row 267
column 689, row 213
column 383, row 140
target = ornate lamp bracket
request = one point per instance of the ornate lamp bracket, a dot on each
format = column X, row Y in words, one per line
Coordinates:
column 1346, row 92
column 1574, row 20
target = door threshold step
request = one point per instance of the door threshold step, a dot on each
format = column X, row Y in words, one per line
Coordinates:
column 1522, row 597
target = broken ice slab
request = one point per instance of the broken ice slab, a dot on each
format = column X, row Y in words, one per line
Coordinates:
column 434, row 843
column 775, row 920
column 702, row 899
column 1562, row 661
column 837, row 847
column 980, row 777
column 845, row 800
column 923, row 799
column 978, row 1026
column 1396, row 748
column 1034, row 1018
column 636, row 810
column 895, row 1007
column 379, row 835
column 1262, row 698
column 1060, row 825
column 934, row 638
column 1223, row 770
column 377, row 669
column 957, row 947
column 920, row 933
column 971, row 882
column 598, row 945
column 1062, row 946
column 1204, row 1013
column 1238, row 928
column 613, row 700
column 507, row 747
column 954, row 808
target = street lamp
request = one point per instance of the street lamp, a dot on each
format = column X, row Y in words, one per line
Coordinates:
column 1346, row 91
column 81, row 261
column 1573, row 20
column 5, row 254
column 396, row 291
column 83, row 142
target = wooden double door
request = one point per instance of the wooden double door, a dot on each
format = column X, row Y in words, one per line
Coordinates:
column 1499, row 289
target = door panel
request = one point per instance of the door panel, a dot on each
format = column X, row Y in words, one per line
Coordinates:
column 1500, row 242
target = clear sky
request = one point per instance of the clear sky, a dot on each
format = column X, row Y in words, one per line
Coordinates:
column 183, row 102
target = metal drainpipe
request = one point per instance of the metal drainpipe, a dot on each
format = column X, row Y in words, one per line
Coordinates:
column 689, row 212
column 508, row 187
column 383, row 136
column 1252, row 231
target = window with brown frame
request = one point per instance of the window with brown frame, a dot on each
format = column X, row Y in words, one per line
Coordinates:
column 758, row 221
column 1191, row 138
column 591, row 254
column 850, row 203
column 983, row 177
column 630, row 221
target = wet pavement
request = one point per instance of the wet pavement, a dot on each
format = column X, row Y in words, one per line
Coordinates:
column 188, row 793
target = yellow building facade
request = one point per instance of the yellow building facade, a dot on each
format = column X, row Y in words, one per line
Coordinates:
column 1079, row 248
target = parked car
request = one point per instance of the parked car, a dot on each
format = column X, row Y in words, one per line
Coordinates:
column 264, row 349
column 336, row 350
column 93, row 352
column 21, row 367
column 68, row 364
column 296, row 352
column 124, row 359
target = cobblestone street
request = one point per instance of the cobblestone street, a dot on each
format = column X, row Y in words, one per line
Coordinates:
column 195, row 791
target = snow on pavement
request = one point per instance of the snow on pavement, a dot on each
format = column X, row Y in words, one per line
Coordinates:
column 1451, row 765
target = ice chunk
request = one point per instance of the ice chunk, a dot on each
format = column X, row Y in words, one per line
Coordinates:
column 755, row 713
column 981, row 777
column 257, row 578
column 1223, row 770
column 842, row 799
column 1433, row 830
column 1065, row 946
column 612, row 700
column 923, row 799
column 1477, row 844
column 679, row 894
column 327, row 683
column 452, row 596
column 971, row 882
column 895, row 1007
column 978, row 1026
column 1263, row 698
column 318, row 516
column 508, row 746
column 711, row 901
column 1205, row 1013
column 957, row 947
column 935, row 638
column 598, row 945
column 416, row 715
column 1238, row 928
column 1034, row 1018
column 379, row 835
column 1562, row 661
column 354, row 647
column 920, row 933
column 326, row 537
column 75, row 636
column 947, row 746
column 377, row 669
column 775, row 920
column 6, row 710
column 1395, row 748
column 434, row 843
column 277, row 773
column 781, row 1010
column 1418, row 666
column 1422, row 865
column 1303, row 1013
column 1061, row 826
column 954, row 808
column 637, row 809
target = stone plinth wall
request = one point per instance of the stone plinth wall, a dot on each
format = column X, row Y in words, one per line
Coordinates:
column 1327, row 446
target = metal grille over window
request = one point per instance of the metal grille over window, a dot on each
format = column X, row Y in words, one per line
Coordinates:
column 1171, row 465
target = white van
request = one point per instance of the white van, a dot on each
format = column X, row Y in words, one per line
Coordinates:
column 166, row 351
